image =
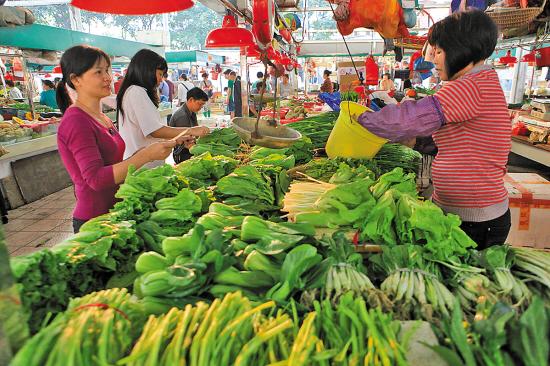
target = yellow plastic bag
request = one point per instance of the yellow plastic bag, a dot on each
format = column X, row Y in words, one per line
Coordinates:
column 348, row 139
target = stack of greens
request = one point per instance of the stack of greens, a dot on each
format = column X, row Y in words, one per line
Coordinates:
column 83, row 263
column 248, row 188
column 317, row 128
column 142, row 188
column 324, row 169
column 392, row 156
column 205, row 170
column 99, row 328
column 224, row 141
column 497, row 336
column 412, row 283
column 184, row 267
column 230, row 331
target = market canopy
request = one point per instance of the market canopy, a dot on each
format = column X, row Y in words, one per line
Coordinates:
column 43, row 37
column 193, row 56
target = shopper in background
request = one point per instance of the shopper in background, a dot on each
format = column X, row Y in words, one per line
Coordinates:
column 186, row 116
column 137, row 102
column 237, row 96
column 171, row 87
column 183, row 87
column 327, row 86
column 47, row 96
column 89, row 144
column 13, row 91
column 254, row 105
column 164, row 90
column 469, row 120
column 230, row 76
column 285, row 88
column 387, row 83
column 260, row 78
column 208, row 88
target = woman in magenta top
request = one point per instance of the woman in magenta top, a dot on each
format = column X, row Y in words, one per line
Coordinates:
column 89, row 144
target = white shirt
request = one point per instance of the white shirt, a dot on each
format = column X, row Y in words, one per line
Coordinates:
column 182, row 90
column 15, row 93
column 285, row 90
column 140, row 119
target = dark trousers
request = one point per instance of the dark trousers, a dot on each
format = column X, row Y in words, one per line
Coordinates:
column 77, row 224
column 488, row 233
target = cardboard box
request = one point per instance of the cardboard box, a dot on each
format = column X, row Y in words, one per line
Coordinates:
column 529, row 196
column 347, row 74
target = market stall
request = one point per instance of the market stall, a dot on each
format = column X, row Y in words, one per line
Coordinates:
column 315, row 278
column 295, row 244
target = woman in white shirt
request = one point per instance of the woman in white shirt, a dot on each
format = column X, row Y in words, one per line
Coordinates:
column 140, row 123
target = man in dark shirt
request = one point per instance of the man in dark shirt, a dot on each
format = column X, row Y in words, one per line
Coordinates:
column 186, row 116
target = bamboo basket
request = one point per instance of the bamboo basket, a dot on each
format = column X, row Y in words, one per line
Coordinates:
column 509, row 18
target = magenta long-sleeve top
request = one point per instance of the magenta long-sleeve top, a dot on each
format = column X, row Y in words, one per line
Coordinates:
column 88, row 150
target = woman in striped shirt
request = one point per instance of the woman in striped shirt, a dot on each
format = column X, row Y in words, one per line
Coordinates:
column 469, row 121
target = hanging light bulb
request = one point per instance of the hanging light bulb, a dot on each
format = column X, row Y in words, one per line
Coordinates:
column 230, row 35
column 132, row 7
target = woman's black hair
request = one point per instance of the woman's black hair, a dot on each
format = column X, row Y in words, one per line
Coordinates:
column 466, row 37
column 48, row 83
column 10, row 83
column 327, row 72
column 75, row 62
column 197, row 94
column 142, row 71
column 204, row 75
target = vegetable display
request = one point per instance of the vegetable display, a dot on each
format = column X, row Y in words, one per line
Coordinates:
column 233, row 262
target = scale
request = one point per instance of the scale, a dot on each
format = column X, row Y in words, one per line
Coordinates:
column 541, row 109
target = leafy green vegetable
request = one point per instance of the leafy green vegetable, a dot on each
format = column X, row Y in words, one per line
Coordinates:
column 297, row 262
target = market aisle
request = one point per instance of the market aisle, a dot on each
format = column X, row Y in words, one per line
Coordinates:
column 40, row 224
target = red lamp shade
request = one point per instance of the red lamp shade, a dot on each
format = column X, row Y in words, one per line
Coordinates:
column 133, row 7
column 229, row 35
column 251, row 51
column 508, row 59
column 57, row 70
column 285, row 60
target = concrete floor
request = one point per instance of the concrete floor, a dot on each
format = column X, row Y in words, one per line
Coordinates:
column 40, row 224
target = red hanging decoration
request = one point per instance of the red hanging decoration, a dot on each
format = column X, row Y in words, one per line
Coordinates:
column 371, row 78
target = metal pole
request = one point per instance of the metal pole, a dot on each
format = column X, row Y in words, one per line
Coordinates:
column 29, row 84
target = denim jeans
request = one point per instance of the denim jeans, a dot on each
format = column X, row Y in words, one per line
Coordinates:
column 488, row 233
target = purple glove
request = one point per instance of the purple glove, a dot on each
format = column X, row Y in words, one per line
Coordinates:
column 407, row 120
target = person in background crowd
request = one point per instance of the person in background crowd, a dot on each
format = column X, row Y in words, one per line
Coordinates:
column 186, row 116
column 56, row 82
column 387, row 83
column 137, row 106
column 171, row 87
column 13, row 91
column 237, row 96
column 254, row 105
column 47, row 96
column 285, row 87
column 89, row 144
column 208, row 88
column 183, row 88
column 468, row 171
column 327, row 86
column 164, row 90
column 118, row 83
column 260, row 78
column 230, row 76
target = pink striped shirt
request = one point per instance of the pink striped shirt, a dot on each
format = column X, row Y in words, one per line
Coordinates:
column 473, row 147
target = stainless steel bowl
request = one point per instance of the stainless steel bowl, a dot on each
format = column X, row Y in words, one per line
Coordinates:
column 275, row 137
